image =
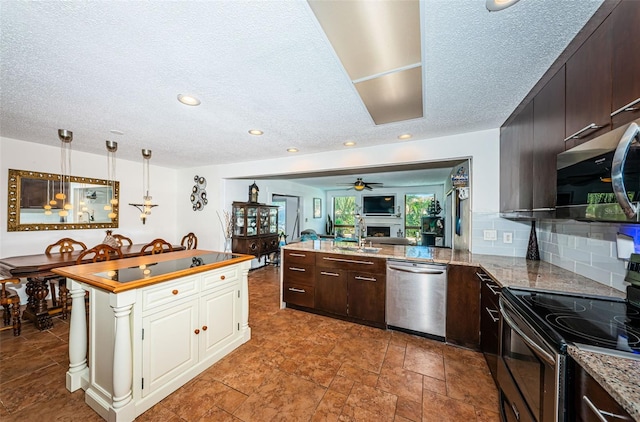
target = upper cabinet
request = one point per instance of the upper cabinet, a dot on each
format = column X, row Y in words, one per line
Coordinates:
column 625, row 29
column 588, row 88
column 516, row 164
column 548, row 139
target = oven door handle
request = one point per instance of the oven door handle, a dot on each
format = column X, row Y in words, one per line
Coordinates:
column 540, row 351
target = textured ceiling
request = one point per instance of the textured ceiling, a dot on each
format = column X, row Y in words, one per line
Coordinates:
column 91, row 67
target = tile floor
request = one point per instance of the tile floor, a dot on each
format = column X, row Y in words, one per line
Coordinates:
column 297, row 367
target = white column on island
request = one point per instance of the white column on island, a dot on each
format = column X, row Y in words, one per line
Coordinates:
column 77, row 375
column 122, row 406
column 245, row 301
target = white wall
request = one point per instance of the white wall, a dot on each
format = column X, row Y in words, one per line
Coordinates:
column 22, row 155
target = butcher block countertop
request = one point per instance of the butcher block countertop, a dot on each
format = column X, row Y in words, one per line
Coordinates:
column 520, row 272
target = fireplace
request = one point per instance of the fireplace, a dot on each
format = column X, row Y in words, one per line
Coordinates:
column 378, row 231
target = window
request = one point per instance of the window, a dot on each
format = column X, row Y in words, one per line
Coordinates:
column 416, row 205
column 344, row 220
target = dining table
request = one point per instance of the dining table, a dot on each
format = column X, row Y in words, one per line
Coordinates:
column 36, row 269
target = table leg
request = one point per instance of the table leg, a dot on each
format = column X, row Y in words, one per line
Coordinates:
column 37, row 310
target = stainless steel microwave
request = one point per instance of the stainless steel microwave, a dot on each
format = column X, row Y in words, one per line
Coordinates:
column 600, row 179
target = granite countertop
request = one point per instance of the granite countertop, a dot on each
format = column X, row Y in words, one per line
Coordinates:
column 619, row 377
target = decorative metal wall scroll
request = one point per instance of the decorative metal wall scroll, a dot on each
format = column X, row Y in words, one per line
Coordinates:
column 199, row 193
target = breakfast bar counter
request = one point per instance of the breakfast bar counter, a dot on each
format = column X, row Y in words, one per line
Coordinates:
column 155, row 322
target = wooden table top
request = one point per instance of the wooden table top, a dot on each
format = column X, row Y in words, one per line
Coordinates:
column 97, row 274
column 42, row 264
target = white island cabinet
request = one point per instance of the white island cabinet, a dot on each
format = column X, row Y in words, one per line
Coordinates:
column 155, row 322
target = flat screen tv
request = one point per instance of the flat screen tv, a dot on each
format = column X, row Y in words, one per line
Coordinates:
column 379, row 205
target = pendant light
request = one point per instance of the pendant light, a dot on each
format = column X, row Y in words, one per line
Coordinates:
column 145, row 207
column 65, row 136
column 112, row 147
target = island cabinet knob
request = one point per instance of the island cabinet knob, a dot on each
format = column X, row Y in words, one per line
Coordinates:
column 175, row 292
column 204, row 328
column 197, row 331
column 222, row 277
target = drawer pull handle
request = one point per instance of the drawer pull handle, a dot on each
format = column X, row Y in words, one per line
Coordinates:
column 490, row 312
column 293, row 289
column 491, row 287
column 576, row 135
column 483, row 277
column 301, row 255
column 222, row 277
column 197, row 331
column 204, row 328
column 328, row 273
column 297, row 269
column 175, row 292
column 600, row 414
column 628, row 107
column 352, row 261
column 365, row 278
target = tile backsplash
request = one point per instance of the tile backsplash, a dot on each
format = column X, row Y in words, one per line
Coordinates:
column 588, row 249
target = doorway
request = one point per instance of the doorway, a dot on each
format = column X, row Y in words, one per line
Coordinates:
column 288, row 214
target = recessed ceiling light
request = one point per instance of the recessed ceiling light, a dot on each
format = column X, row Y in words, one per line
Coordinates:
column 189, row 100
column 292, row 149
column 349, row 143
column 405, row 136
column 496, row 5
column 116, row 132
column 256, row 132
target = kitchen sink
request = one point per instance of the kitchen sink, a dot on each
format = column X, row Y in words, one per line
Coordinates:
column 366, row 249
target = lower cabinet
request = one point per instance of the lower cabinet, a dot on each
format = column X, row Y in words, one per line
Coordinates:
column 347, row 286
column 463, row 306
column 589, row 401
column 489, row 320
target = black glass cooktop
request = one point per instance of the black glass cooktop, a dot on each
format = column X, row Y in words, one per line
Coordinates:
column 594, row 321
column 124, row 275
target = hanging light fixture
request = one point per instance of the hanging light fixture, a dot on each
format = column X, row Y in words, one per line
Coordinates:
column 66, row 136
column 112, row 147
column 145, row 207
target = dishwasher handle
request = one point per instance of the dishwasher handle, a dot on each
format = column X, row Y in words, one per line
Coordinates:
column 415, row 270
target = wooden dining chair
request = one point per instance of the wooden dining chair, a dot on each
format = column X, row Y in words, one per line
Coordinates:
column 10, row 301
column 64, row 245
column 122, row 239
column 189, row 241
column 101, row 252
column 156, row 246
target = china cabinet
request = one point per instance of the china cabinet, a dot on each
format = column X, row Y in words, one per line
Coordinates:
column 255, row 228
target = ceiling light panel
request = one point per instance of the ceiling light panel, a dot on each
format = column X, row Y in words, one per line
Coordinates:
column 393, row 97
column 371, row 37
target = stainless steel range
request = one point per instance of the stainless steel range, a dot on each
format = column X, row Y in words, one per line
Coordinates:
column 537, row 326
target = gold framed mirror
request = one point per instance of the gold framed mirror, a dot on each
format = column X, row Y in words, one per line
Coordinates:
column 89, row 198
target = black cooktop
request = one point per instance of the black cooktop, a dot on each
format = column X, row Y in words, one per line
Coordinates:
column 594, row 321
column 125, row 275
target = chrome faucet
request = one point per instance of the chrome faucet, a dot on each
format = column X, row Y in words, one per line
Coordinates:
column 361, row 230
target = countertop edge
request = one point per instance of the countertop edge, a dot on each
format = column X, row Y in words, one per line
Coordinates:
column 620, row 377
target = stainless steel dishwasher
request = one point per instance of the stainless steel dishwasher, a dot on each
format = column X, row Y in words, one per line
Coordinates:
column 417, row 297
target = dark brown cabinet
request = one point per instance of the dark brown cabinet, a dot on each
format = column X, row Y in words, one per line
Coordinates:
column 588, row 87
column 625, row 97
column 351, row 287
column 516, row 162
column 299, row 280
column 548, row 140
column 489, row 320
column 255, row 228
column 463, row 306
column 589, row 401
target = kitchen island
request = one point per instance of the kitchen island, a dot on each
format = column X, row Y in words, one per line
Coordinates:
column 155, row 322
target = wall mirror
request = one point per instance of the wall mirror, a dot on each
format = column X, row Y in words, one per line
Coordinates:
column 29, row 192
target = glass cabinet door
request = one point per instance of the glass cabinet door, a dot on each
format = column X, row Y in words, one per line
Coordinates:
column 252, row 221
column 273, row 220
column 264, row 220
column 240, row 223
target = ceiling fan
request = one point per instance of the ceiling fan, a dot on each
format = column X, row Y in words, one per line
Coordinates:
column 360, row 185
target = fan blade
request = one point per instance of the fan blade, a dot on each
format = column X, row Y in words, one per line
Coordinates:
column 367, row 187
